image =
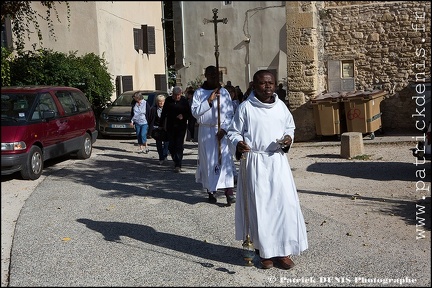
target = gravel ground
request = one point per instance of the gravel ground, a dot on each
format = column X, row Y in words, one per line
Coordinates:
column 120, row 219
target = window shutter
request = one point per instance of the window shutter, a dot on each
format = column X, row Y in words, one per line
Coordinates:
column 127, row 83
column 149, row 41
column 123, row 84
column 160, row 81
column 138, row 41
column 118, row 86
column 6, row 33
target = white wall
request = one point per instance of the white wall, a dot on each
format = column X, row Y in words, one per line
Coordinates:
column 106, row 29
column 261, row 21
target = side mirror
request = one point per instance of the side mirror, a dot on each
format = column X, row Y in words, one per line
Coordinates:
column 48, row 114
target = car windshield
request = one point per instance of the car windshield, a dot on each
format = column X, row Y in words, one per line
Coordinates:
column 123, row 100
column 16, row 106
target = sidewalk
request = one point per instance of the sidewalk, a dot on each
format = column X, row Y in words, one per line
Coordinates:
column 120, row 219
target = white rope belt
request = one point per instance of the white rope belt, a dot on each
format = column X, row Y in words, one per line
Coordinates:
column 208, row 125
column 266, row 152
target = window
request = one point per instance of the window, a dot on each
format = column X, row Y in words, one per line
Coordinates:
column 46, row 103
column 137, row 39
column 68, row 103
column 347, row 68
column 148, row 39
column 6, row 33
column 123, row 84
column 145, row 39
column 340, row 75
column 81, row 102
column 160, row 81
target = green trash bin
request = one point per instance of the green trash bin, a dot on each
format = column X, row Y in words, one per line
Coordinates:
column 326, row 109
column 362, row 111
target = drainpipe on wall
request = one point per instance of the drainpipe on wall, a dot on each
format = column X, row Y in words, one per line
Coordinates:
column 183, row 36
column 164, row 43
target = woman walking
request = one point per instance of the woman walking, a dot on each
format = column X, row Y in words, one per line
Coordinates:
column 161, row 145
column 141, row 119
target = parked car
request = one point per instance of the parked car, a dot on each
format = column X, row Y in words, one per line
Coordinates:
column 43, row 122
column 422, row 151
column 115, row 119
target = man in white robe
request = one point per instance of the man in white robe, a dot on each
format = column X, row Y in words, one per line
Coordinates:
column 265, row 185
column 215, row 163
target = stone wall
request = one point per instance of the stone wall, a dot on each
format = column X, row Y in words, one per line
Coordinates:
column 302, row 65
column 389, row 43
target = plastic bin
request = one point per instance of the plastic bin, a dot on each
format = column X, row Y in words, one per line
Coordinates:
column 326, row 109
column 362, row 111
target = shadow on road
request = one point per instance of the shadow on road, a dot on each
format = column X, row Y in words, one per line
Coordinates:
column 112, row 231
column 373, row 170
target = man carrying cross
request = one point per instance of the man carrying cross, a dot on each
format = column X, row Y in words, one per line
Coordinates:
column 212, row 107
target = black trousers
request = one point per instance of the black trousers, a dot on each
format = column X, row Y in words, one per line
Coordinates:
column 176, row 138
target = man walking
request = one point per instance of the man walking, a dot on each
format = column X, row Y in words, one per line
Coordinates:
column 176, row 112
column 212, row 107
column 261, row 133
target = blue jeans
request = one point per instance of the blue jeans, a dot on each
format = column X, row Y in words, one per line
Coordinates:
column 141, row 131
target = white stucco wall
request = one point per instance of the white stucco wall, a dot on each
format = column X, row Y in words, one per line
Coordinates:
column 78, row 34
column 106, row 29
column 240, row 59
column 116, row 21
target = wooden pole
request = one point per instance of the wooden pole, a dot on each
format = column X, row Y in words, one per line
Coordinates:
column 215, row 21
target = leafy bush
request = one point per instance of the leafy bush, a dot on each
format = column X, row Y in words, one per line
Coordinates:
column 5, row 67
column 195, row 84
column 47, row 67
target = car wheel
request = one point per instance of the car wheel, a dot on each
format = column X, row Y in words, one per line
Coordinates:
column 32, row 169
column 86, row 148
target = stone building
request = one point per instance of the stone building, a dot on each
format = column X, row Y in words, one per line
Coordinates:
column 384, row 45
column 328, row 46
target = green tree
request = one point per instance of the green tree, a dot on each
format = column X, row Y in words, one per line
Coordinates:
column 47, row 67
column 5, row 68
column 196, row 83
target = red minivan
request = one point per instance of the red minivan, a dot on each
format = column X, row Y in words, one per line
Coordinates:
column 43, row 122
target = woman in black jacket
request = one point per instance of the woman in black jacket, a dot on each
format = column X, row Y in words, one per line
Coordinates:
column 156, row 112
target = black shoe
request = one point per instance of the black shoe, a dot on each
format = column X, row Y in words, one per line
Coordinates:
column 212, row 198
column 230, row 199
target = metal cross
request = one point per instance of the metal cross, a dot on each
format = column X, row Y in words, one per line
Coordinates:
column 215, row 21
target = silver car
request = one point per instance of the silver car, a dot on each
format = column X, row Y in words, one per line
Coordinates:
column 115, row 119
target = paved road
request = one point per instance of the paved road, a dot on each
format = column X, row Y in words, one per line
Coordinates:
column 120, row 219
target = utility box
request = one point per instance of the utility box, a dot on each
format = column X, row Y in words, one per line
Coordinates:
column 362, row 111
column 326, row 110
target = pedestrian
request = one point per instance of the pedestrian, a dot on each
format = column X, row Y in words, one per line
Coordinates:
column 233, row 93
column 213, row 109
column 156, row 111
column 176, row 112
column 228, row 84
column 248, row 91
column 235, row 103
column 281, row 93
column 192, row 120
column 140, row 119
column 239, row 93
column 266, row 185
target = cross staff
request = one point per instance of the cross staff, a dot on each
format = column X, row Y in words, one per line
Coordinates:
column 215, row 21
